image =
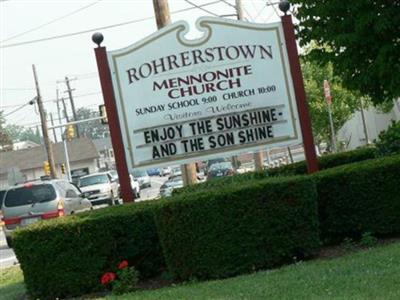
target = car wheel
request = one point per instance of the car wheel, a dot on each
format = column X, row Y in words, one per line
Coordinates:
column 9, row 241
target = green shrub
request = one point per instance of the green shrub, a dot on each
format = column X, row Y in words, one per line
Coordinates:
column 326, row 162
column 360, row 197
column 389, row 141
column 220, row 182
column 239, row 228
column 298, row 168
column 368, row 240
column 67, row 256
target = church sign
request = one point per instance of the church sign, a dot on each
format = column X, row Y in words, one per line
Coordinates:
column 180, row 100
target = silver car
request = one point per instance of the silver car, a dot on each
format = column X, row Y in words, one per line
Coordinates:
column 28, row 203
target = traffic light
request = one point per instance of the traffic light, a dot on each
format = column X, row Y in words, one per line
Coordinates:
column 103, row 113
column 70, row 132
column 63, row 168
column 46, row 167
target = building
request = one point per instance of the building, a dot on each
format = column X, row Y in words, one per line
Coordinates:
column 27, row 164
column 24, row 145
column 353, row 133
column 106, row 160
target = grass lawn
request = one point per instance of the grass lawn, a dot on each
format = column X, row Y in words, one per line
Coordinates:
column 11, row 284
column 367, row 274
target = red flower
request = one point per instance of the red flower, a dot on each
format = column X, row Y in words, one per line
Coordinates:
column 108, row 277
column 123, row 264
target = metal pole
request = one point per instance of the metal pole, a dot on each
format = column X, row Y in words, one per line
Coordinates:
column 45, row 132
column 71, row 99
column 363, row 121
column 59, row 115
column 52, row 124
column 67, row 160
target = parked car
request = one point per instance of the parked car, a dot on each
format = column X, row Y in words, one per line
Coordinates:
column 135, row 186
column 175, row 171
column 28, row 203
column 154, row 172
column 142, row 177
column 220, row 170
column 101, row 187
column 171, row 184
column 165, row 171
column 2, row 193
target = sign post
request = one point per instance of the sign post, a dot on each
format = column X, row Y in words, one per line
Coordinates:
column 295, row 69
column 328, row 97
column 113, row 119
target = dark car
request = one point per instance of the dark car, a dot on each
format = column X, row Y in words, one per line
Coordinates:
column 221, row 169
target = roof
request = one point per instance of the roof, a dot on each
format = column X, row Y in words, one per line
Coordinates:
column 32, row 158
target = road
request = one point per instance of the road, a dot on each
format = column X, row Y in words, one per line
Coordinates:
column 7, row 256
column 153, row 191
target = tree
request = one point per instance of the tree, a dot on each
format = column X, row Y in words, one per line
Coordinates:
column 5, row 140
column 20, row 133
column 360, row 38
column 91, row 129
column 344, row 103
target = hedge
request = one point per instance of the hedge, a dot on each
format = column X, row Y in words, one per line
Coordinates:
column 298, row 168
column 239, row 228
column 360, row 197
column 326, row 162
column 66, row 257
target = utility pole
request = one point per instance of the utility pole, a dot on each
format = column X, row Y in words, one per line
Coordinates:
column 71, row 99
column 47, row 142
column 163, row 18
column 161, row 11
column 257, row 156
column 54, row 130
column 239, row 10
column 59, row 113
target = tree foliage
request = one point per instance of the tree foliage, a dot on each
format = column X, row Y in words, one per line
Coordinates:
column 389, row 141
column 92, row 129
column 21, row 133
column 5, row 140
column 344, row 103
column 360, row 38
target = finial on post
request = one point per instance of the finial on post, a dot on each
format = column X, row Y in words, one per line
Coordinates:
column 97, row 38
column 284, row 6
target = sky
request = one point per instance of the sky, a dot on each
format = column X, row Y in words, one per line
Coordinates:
column 28, row 20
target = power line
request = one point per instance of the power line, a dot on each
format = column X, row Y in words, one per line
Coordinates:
column 260, row 11
column 234, row 6
column 51, row 22
column 100, row 28
column 201, row 8
column 15, row 110
column 53, row 100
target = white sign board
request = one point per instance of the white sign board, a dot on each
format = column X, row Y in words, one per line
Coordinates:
column 226, row 93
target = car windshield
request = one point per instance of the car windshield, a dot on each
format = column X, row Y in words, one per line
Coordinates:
column 139, row 173
column 221, row 166
column 92, row 180
column 29, row 194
